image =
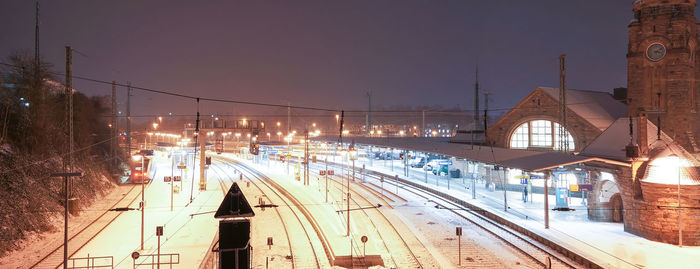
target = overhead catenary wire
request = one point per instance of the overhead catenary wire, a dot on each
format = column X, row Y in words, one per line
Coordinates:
column 243, row 102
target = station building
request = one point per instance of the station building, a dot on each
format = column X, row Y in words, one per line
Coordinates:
column 644, row 176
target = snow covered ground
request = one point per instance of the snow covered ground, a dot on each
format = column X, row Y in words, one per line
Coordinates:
column 604, row 243
column 429, row 232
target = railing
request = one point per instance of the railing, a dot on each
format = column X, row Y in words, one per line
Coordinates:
column 91, row 262
column 152, row 260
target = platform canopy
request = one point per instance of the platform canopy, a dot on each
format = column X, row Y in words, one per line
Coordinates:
column 527, row 160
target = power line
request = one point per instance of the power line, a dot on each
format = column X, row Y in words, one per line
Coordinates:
column 241, row 102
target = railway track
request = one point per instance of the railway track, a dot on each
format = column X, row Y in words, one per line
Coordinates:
column 406, row 257
column 538, row 253
column 286, row 232
column 76, row 241
column 300, row 243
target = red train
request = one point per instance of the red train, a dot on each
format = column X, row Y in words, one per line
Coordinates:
column 137, row 175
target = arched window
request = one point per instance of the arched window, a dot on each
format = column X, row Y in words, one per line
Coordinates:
column 539, row 134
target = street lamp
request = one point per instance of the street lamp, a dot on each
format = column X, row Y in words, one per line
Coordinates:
column 279, row 135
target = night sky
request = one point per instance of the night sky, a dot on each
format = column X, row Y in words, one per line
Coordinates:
column 327, row 53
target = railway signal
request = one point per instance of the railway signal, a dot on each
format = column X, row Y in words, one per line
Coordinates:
column 364, row 246
column 459, row 242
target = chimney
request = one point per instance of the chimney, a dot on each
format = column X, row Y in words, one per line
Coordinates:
column 642, row 138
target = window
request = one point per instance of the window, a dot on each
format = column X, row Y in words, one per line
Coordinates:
column 557, row 138
column 540, row 134
column 520, row 138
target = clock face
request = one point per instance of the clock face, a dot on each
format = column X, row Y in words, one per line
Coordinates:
column 656, row 52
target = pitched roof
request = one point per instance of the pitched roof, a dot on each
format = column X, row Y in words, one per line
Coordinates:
column 598, row 108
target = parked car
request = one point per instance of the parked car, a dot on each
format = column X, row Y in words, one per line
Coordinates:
column 437, row 166
column 417, row 162
column 440, row 170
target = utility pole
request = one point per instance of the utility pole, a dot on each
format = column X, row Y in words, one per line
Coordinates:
column 37, row 62
column 563, row 138
column 306, row 157
column 423, row 125
column 289, row 118
column 194, row 157
column 486, row 113
column 369, row 113
column 128, row 118
column 69, row 166
column 115, row 131
column 476, row 98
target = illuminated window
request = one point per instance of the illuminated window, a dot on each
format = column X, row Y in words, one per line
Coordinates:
column 520, row 138
column 569, row 139
column 539, row 134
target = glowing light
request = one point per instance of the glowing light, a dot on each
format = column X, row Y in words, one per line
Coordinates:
column 665, row 170
column 136, row 157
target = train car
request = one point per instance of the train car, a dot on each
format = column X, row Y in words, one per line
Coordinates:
column 138, row 175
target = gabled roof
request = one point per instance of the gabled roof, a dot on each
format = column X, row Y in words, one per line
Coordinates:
column 598, row 108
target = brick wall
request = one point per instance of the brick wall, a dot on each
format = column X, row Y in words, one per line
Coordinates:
column 654, row 214
column 539, row 105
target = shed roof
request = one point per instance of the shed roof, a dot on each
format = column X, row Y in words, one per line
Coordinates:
column 513, row 158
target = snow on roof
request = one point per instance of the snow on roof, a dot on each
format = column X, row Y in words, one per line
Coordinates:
column 512, row 158
column 598, row 108
column 611, row 143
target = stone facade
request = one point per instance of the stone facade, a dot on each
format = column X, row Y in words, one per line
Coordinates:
column 652, row 209
column 540, row 105
column 663, row 67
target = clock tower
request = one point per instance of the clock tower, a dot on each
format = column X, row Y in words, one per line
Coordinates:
column 663, row 68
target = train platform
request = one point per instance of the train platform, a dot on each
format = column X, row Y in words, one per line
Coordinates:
column 603, row 243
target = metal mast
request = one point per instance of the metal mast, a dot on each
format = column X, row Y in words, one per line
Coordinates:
column 369, row 113
column 563, row 137
column 476, row 99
